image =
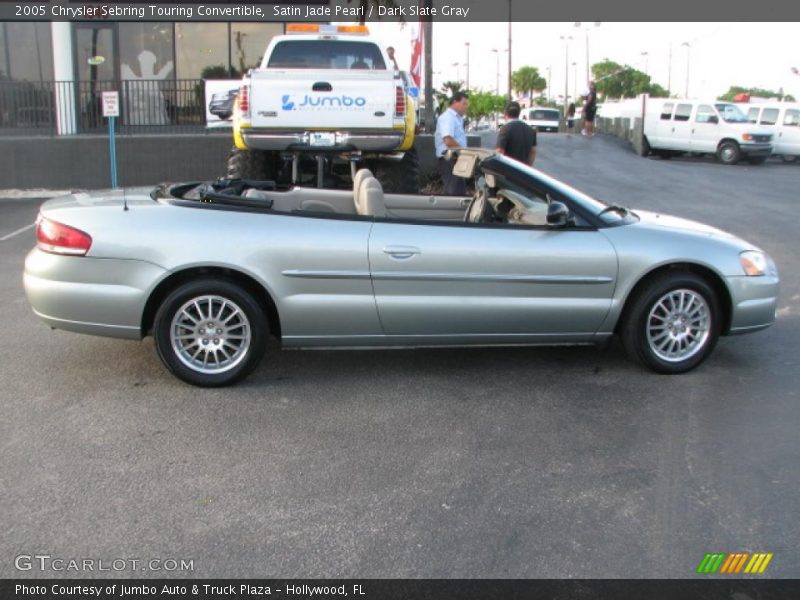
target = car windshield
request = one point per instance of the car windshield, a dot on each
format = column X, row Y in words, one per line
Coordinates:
column 545, row 115
column 605, row 212
column 731, row 113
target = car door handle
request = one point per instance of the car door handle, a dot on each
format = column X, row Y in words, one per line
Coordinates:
column 401, row 252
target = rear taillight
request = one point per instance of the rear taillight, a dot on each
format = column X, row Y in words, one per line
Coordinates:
column 399, row 102
column 60, row 239
column 244, row 100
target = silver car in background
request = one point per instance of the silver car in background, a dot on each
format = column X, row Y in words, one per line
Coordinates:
column 212, row 270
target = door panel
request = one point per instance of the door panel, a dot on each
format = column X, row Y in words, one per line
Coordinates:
column 477, row 281
column 705, row 131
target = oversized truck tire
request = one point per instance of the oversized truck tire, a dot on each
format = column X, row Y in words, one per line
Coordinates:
column 251, row 164
column 399, row 176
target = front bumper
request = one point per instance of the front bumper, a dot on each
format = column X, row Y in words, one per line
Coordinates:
column 755, row 300
column 97, row 296
column 345, row 141
column 756, row 149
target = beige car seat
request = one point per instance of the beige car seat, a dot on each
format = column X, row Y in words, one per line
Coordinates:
column 369, row 200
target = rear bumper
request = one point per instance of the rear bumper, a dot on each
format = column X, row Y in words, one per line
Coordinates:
column 97, row 296
column 345, row 141
column 757, row 149
column 755, row 300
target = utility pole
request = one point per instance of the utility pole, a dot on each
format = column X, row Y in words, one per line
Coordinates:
column 467, row 45
column 688, row 58
column 509, row 50
column 669, row 72
column 427, row 43
column 566, row 39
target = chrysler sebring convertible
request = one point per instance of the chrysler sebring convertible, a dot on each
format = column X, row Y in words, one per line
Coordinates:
column 211, row 270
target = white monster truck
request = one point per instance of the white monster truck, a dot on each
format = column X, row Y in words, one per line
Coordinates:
column 324, row 98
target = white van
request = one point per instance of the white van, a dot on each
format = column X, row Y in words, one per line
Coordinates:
column 783, row 120
column 542, row 118
column 672, row 127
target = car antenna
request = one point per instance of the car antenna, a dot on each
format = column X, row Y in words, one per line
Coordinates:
column 124, row 200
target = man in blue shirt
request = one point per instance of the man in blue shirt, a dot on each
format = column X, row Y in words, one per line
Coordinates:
column 450, row 134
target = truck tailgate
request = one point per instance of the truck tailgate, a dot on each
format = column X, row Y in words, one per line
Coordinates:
column 298, row 100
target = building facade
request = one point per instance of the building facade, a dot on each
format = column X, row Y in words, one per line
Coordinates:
column 52, row 74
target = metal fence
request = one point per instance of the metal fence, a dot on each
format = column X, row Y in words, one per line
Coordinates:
column 74, row 107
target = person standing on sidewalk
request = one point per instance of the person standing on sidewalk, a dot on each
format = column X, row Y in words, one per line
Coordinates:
column 450, row 135
column 589, row 110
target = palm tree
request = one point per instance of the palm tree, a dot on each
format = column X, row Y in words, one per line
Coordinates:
column 527, row 80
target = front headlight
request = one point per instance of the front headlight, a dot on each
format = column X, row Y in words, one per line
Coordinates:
column 753, row 262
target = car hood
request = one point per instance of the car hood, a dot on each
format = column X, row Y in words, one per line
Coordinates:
column 668, row 222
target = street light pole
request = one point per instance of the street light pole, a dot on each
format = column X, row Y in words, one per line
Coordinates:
column 688, row 58
column 457, row 65
column 566, row 39
column 669, row 72
column 497, row 71
column 574, row 80
column 646, row 58
column 509, row 50
column 467, row 45
column 578, row 24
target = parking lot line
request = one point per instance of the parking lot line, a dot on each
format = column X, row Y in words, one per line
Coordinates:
column 17, row 232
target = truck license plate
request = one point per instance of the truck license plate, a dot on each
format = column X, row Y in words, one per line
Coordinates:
column 323, row 139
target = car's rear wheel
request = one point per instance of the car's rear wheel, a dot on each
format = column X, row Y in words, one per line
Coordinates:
column 728, row 152
column 673, row 323
column 210, row 332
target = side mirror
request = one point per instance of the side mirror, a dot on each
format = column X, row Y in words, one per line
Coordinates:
column 557, row 214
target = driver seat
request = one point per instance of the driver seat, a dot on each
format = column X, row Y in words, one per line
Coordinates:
column 369, row 199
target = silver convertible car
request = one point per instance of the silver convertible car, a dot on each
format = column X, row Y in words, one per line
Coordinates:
column 212, row 269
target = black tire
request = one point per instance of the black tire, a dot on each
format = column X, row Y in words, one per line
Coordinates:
column 645, row 151
column 648, row 324
column 757, row 160
column 241, row 332
column 399, row 176
column 728, row 152
column 251, row 164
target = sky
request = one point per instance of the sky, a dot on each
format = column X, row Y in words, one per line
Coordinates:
column 720, row 54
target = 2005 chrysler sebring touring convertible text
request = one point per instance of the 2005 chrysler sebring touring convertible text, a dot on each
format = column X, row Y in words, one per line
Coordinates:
column 211, row 270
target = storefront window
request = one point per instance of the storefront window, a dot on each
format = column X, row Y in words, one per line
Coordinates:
column 3, row 53
column 248, row 43
column 32, row 56
column 146, row 51
column 201, row 50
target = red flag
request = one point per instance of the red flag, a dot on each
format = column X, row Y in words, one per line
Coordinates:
column 416, row 57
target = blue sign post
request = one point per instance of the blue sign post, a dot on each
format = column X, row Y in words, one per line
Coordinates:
column 111, row 111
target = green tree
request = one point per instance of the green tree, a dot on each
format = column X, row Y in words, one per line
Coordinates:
column 527, row 80
column 759, row 92
column 484, row 104
column 623, row 81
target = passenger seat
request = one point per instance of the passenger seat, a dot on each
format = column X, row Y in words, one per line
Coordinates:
column 369, row 200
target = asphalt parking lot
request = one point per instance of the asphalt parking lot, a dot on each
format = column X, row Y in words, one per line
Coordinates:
column 544, row 462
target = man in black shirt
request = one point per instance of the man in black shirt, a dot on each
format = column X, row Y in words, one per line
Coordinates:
column 516, row 139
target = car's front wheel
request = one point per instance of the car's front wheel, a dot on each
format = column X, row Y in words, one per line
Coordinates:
column 673, row 323
column 729, row 153
column 210, row 332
